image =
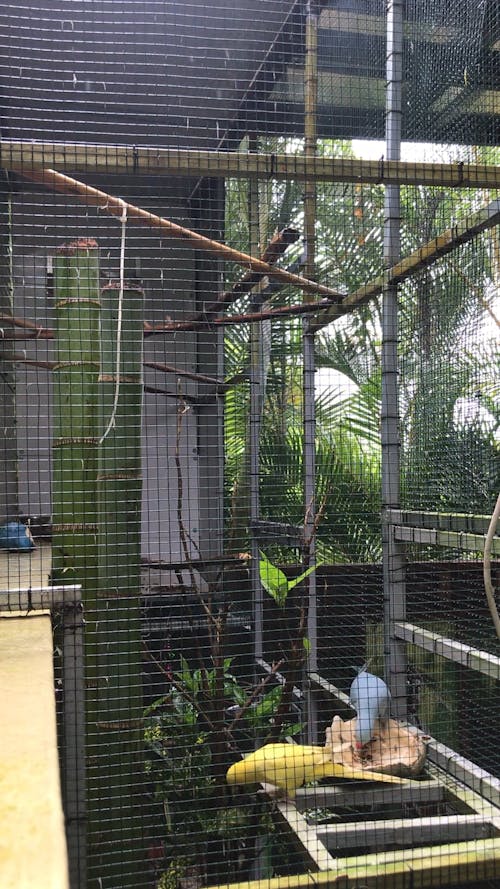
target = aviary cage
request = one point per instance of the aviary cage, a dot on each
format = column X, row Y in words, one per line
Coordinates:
column 250, row 258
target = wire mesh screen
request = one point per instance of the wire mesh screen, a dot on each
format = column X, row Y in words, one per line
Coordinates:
column 449, row 415
column 249, row 402
column 444, row 64
column 450, row 447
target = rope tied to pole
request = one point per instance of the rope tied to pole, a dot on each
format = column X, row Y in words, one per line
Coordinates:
column 123, row 221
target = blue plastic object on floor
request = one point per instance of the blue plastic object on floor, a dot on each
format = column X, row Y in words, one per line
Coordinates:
column 16, row 536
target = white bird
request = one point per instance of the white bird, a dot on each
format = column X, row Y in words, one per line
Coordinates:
column 371, row 699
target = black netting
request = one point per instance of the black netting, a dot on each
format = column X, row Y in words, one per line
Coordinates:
column 248, row 455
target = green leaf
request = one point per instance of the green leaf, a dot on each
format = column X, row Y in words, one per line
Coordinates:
column 191, row 681
column 267, row 706
column 288, row 731
column 296, row 580
column 235, row 692
column 273, row 580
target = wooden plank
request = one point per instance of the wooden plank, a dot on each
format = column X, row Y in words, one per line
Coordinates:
column 465, row 771
column 424, row 536
column 443, row 865
column 375, row 25
column 450, row 539
column 32, row 841
column 410, row 832
column 441, row 521
column 42, row 598
column 137, row 161
column 464, row 800
column 352, row 795
column 465, row 655
column 440, row 860
column 307, row 836
column 465, row 230
column 331, row 689
column 466, row 541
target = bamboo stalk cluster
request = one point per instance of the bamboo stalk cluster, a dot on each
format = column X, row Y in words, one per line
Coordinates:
column 96, row 524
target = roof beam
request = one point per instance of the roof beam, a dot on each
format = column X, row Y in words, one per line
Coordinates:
column 135, row 162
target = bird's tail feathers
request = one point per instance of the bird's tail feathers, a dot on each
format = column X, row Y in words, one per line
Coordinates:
column 336, row 770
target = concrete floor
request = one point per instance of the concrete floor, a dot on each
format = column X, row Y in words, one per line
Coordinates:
column 25, row 569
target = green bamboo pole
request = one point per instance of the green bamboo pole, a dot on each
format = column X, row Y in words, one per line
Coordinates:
column 116, row 775
column 74, row 447
column 74, row 513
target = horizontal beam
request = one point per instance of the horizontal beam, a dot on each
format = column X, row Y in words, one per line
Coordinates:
column 455, row 766
column 178, row 625
column 455, row 864
column 279, row 532
column 133, row 161
column 351, row 22
column 464, row 231
column 474, row 658
column 441, row 521
column 405, row 831
column 352, row 794
column 40, row 599
column 450, row 539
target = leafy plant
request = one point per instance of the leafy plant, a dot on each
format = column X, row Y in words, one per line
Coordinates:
column 182, row 742
column 276, row 583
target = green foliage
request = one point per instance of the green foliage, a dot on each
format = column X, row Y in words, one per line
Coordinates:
column 276, row 583
column 178, row 764
column 180, row 755
column 448, row 366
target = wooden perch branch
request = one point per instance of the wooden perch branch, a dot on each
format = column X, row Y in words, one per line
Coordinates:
column 18, row 358
column 277, row 246
column 12, row 321
column 116, row 207
column 31, row 333
column 190, row 375
column 248, row 318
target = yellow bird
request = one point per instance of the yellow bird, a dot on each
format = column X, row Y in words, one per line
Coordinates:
column 288, row 766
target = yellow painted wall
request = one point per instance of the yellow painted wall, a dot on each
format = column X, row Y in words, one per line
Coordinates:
column 32, row 839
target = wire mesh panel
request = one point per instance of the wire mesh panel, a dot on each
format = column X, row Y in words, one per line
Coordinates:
column 250, row 431
column 450, row 445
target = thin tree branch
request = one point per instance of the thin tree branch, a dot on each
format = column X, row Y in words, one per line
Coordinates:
column 255, row 693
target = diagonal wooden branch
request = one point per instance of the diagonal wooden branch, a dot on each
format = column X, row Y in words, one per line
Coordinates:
column 12, row 321
column 277, row 246
column 116, row 207
column 247, row 318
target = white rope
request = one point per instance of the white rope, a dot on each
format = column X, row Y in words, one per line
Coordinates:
column 112, row 418
column 488, row 586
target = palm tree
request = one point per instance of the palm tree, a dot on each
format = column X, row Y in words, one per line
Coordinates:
column 449, row 398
